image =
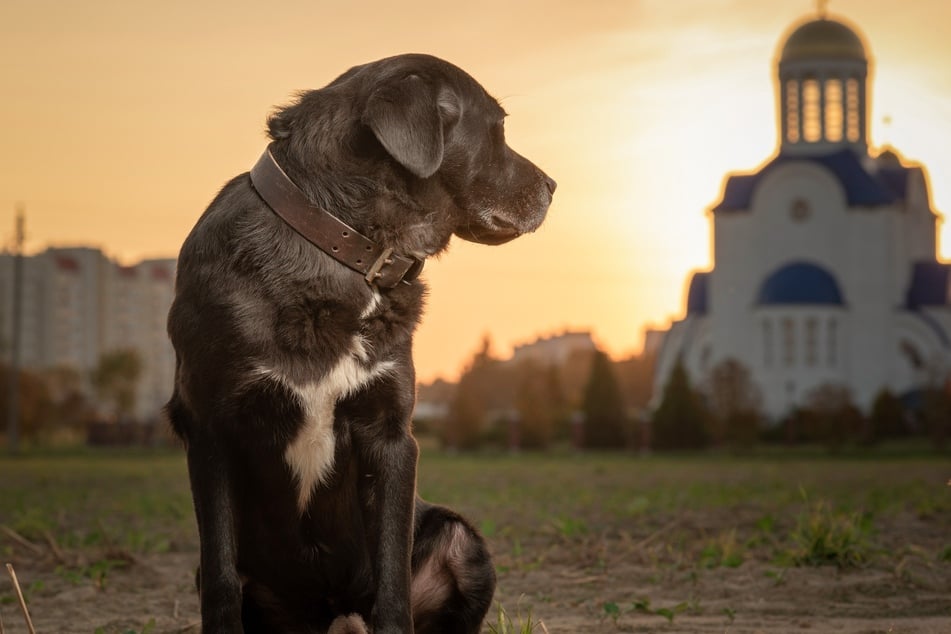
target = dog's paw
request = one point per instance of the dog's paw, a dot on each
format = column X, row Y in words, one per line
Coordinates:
column 352, row 624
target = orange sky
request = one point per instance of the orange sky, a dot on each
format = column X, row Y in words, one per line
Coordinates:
column 122, row 119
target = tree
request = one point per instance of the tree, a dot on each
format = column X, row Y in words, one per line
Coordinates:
column 735, row 405
column 535, row 419
column 71, row 409
column 603, row 406
column 574, row 375
column 35, row 406
column 636, row 377
column 116, row 379
column 829, row 416
column 936, row 408
column 473, row 400
column 679, row 422
column 887, row 418
column 936, row 414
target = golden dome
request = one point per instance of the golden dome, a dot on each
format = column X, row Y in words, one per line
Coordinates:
column 823, row 39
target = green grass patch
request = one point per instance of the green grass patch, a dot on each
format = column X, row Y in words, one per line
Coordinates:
column 824, row 536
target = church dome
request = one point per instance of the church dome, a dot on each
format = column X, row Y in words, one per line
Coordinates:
column 823, row 39
column 800, row 283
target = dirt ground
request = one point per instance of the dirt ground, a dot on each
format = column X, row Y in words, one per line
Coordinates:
column 581, row 544
column 565, row 587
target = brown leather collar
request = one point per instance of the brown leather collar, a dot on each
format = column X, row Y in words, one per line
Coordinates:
column 379, row 265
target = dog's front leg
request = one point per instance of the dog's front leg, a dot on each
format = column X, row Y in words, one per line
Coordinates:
column 219, row 585
column 396, row 496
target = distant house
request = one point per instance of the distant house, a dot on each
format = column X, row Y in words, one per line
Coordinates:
column 826, row 268
column 555, row 349
column 568, row 348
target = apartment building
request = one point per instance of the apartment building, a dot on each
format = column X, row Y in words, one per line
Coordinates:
column 78, row 304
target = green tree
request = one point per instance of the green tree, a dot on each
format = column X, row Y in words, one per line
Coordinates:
column 887, row 418
column 35, row 406
column 535, row 421
column 936, row 414
column 636, row 376
column 830, row 417
column 680, row 420
column 116, row 380
column 605, row 418
column 473, row 399
column 735, row 405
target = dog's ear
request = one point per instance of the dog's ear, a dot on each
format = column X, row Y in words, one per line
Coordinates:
column 408, row 118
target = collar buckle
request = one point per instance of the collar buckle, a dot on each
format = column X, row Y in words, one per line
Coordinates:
column 375, row 270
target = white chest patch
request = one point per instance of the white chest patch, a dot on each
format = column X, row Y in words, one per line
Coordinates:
column 311, row 454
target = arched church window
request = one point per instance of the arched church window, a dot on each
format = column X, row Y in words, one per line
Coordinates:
column 792, row 111
column 789, row 342
column 832, row 343
column 852, row 131
column 833, row 110
column 767, row 343
column 812, row 341
column 811, row 111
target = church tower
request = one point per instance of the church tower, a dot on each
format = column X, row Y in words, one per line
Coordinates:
column 825, row 257
column 823, row 101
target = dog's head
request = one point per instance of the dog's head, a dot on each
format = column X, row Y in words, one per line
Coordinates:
column 442, row 135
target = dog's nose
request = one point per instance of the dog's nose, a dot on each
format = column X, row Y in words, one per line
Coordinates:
column 552, row 185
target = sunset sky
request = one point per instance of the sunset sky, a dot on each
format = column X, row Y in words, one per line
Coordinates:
column 122, row 119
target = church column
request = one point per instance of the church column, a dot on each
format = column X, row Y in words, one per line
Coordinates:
column 844, row 107
column 800, row 113
column 863, row 113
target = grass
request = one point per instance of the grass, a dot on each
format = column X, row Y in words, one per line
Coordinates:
column 141, row 502
column 566, row 531
column 504, row 623
column 138, row 502
column 824, row 536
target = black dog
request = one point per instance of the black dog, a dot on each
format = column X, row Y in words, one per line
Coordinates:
column 296, row 302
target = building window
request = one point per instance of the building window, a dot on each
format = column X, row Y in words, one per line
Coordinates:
column 792, row 111
column 832, row 350
column 852, row 131
column 811, row 111
column 833, row 110
column 812, row 341
column 767, row 343
column 789, row 342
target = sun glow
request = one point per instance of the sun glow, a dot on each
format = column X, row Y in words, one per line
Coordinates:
column 638, row 110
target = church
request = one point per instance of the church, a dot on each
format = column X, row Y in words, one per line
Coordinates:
column 825, row 259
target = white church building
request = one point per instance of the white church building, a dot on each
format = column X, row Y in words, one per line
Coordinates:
column 825, row 259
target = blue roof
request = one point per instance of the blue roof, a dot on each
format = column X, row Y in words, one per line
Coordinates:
column 799, row 283
column 862, row 188
column 697, row 294
column 929, row 284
